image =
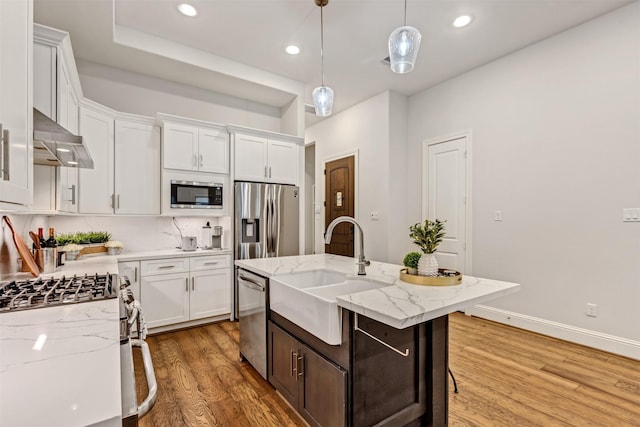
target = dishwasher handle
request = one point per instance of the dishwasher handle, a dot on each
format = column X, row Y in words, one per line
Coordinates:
column 250, row 283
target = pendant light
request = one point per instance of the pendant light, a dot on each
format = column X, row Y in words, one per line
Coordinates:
column 404, row 43
column 322, row 95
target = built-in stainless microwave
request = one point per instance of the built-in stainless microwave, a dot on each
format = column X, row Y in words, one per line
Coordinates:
column 196, row 195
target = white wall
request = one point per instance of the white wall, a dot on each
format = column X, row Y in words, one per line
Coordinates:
column 556, row 147
column 134, row 93
column 309, row 182
column 370, row 130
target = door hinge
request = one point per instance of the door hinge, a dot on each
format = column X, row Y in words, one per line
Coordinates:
column 325, row 171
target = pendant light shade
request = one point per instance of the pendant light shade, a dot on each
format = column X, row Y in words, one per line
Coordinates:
column 404, row 44
column 322, row 95
column 323, row 100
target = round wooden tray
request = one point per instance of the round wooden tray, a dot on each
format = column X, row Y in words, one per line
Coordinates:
column 455, row 279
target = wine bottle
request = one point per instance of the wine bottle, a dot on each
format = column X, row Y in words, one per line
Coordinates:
column 51, row 241
column 41, row 237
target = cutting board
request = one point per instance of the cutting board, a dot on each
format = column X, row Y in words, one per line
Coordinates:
column 23, row 249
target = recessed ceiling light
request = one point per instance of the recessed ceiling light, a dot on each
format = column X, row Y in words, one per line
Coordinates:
column 292, row 50
column 462, row 21
column 187, row 9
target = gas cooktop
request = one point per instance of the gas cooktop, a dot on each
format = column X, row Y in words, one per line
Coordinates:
column 37, row 293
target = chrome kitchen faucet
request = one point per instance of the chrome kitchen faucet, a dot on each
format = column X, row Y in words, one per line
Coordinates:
column 362, row 262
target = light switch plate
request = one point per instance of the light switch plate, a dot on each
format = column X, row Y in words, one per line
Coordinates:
column 631, row 214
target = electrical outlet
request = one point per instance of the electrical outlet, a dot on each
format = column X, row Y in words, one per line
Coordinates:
column 592, row 310
column 631, row 215
column 497, row 216
column 374, row 215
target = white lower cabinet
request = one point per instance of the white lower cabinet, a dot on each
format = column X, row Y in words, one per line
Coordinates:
column 176, row 290
column 131, row 269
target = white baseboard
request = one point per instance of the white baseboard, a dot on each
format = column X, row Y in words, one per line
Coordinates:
column 613, row 344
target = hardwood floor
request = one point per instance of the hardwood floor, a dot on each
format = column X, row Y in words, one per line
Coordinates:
column 506, row 377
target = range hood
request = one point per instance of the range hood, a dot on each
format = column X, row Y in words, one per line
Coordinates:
column 53, row 145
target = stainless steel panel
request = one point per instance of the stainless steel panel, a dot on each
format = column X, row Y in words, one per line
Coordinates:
column 250, row 208
column 287, row 227
column 253, row 319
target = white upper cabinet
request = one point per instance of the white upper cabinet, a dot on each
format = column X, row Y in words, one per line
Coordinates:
column 194, row 145
column 265, row 156
column 16, row 100
column 56, row 93
column 213, row 146
column 137, row 167
column 96, row 194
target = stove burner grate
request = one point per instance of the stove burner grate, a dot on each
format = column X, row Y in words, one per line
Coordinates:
column 36, row 293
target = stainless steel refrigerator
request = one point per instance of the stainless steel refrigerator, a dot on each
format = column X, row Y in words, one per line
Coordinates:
column 266, row 220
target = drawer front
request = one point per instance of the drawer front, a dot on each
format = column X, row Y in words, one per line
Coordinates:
column 164, row 266
column 210, row 262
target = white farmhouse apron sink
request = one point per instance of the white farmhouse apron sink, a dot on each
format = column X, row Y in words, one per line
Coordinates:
column 308, row 299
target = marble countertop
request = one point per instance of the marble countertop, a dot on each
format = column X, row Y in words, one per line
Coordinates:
column 400, row 304
column 74, row 379
column 75, row 376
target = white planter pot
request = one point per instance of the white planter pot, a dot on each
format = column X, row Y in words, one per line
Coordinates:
column 428, row 265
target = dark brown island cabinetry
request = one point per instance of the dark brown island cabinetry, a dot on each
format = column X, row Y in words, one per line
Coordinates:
column 362, row 382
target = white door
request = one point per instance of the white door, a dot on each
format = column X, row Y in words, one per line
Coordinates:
column 213, row 147
column 444, row 184
column 210, row 293
column 131, row 269
column 96, row 185
column 250, row 158
column 283, row 162
column 137, row 168
column 166, row 299
column 16, row 44
column 180, row 145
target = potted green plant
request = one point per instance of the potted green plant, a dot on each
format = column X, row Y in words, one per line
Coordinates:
column 411, row 262
column 428, row 236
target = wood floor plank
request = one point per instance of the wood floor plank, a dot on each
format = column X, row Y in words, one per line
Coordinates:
column 507, row 377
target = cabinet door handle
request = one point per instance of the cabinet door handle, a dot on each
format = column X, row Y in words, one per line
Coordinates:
column 118, row 201
column 193, row 285
column 5, row 152
column 135, row 274
column 300, row 366
column 265, row 172
column 195, row 160
column 201, row 159
column 186, row 284
column 73, row 194
column 269, row 171
column 112, row 202
column 294, row 364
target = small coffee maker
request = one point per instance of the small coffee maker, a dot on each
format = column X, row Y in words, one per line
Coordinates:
column 216, row 237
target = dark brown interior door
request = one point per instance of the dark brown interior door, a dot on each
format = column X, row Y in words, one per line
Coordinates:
column 339, row 201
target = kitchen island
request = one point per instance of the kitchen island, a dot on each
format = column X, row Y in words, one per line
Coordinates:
column 392, row 363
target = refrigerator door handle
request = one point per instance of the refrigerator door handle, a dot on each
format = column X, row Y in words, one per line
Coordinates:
column 275, row 225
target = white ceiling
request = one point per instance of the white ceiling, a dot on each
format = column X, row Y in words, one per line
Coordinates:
column 229, row 35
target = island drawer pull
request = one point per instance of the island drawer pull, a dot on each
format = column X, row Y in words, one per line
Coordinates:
column 294, row 363
column 404, row 353
column 166, row 266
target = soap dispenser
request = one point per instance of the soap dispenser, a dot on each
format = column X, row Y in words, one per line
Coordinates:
column 206, row 236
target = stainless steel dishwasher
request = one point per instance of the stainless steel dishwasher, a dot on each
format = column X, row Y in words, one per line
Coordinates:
column 252, row 314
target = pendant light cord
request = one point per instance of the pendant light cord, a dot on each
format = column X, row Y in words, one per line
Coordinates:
column 405, row 13
column 322, row 44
